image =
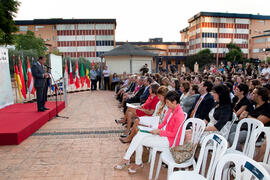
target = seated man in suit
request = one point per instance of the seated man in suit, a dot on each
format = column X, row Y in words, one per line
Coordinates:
column 146, row 92
column 136, row 97
column 40, row 82
column 204, row 103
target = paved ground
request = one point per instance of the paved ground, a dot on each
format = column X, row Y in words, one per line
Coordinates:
column 85, row 146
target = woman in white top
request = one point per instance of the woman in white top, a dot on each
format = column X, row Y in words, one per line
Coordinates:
column 160, row 110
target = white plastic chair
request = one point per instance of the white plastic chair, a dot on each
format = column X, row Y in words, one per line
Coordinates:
column 225, row 135
column 153, row 152
column 234, row 118
column 252, row 125
column 254, row 138
column 219, row 145
column 252, row 169
column 198, row 127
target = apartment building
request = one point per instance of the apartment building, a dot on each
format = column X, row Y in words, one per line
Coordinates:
column 74, row 38
column 214, row 30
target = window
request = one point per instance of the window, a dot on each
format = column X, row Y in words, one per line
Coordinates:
column 54, row 27
column 262, row 40
column 38, row 27
column 23, row 28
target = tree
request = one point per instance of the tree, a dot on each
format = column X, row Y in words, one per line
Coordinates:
column 203, row 57
column 234, row 54
column 29, row 41
column 8, row 9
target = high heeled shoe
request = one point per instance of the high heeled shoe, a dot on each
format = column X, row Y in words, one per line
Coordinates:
column 121, row 166
column 124, row 141
column 117, row 121
column 133, row 171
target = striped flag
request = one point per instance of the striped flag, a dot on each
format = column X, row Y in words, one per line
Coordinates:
column 70, row 73
column 66, row 73
column 18, row 80
column 24, row 73
column 82, row 75
column 30, row 79
column 77, row 82
column 23, row 89
column 87, row 77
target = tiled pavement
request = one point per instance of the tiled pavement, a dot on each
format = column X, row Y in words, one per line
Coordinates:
column 85, row 146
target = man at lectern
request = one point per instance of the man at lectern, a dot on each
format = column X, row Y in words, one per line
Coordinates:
column 40, row 82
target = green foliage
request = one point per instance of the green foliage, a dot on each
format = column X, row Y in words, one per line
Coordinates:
column 268, row 59
column 23, row 54
column 29, row 41
column 8, row 9
column 235, row 54
column 202, row 58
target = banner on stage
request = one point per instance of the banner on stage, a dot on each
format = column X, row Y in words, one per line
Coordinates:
column 6, row 95
column 57, row 67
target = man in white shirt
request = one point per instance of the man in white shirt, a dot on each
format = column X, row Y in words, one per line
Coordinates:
column 106, row 74
column 266, row 71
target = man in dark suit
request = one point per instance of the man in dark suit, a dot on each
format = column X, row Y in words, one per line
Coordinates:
column 146, row 92
column 136, row 97
column 40, row 82
column 204, row 103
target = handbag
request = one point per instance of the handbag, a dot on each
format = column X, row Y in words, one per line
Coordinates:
column 182, row 153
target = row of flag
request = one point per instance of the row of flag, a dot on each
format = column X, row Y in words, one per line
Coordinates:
column 25, row 81
column 80, row 76
column 24, row 78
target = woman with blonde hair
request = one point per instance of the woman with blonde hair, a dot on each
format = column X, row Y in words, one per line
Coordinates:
column 166, row 82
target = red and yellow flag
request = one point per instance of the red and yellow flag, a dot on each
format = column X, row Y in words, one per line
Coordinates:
column 23, row 89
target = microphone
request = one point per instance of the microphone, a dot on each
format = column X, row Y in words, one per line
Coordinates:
column 47, row 66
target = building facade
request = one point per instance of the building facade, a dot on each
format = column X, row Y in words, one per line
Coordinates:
column 215, row 30
column 167, row 53
column 74, row 38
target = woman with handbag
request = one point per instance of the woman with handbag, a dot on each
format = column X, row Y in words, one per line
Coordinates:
column 158, row 137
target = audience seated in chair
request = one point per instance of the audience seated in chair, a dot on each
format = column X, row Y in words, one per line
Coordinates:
column 160, row 110
column 147, row 109
column 158, row 137
column 260, row 112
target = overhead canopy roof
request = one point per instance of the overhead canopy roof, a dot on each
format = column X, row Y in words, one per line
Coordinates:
column 128, row 50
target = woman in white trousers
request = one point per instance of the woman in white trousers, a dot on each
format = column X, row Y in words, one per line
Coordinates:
column 157, row 137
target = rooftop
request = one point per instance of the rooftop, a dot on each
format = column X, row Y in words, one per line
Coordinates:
column 228, row 15
column 64, row 21
column 128, row 50
column 151, row 43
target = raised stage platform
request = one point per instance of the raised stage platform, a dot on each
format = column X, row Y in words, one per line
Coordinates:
column 19, row 121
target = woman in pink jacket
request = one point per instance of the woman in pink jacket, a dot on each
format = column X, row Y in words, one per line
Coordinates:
column 162, row 137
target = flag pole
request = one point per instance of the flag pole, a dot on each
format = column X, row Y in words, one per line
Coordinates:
column 13, row 58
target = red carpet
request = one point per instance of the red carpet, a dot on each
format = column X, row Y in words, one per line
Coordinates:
column 19, row 121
